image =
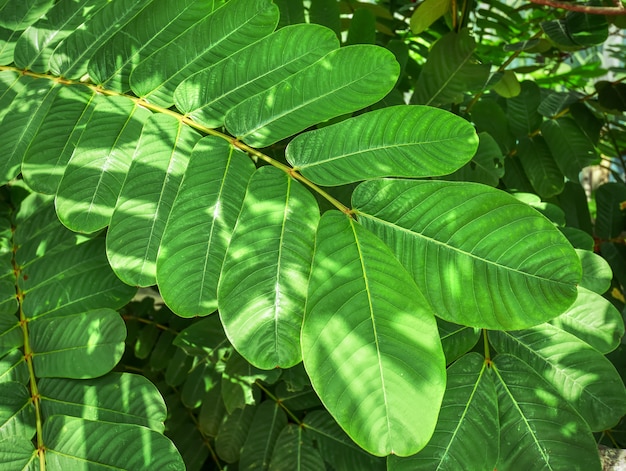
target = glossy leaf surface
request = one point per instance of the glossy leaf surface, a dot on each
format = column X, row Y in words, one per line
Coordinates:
column 365, row 326
column 408, row 141
column 448, row 237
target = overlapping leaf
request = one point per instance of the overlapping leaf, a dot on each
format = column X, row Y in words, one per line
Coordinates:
column 409, row 141
column 449, row 236
column 369, row 341
column 262, row 291
column 353, row 78
column 199, row 229
column 467, row 429
column 578, row 372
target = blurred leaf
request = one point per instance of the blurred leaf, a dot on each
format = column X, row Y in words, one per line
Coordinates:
column 540, row 167
column 268, row 422
column 610, row 219
column 427, row 13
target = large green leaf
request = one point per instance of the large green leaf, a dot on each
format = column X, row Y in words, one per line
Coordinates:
column 209, row 94
column 408, row 141
column 79, row 444
column 196, row 236
column 262, row 291
column 365, row 324
column 353, row 77
column 146, row 198
column 85, row 345
column 578, row 372
column 467, row 430
column 449, row 236
column 450, row 71
column 235, row 24
column 538, row 430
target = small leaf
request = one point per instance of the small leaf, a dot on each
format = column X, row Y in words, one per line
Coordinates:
column 233, row 432
column 594, row 320
column 85, row 345
column 456, row 340
column 540, row 167
column 409, row 141
column 508, row 86
column 427, row 13
column 486, row 166
column 597, row 274
column 359, row 299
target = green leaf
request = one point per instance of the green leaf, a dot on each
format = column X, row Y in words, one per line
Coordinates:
column 153, row 178
column 115, row 397
column 233, row 432
column 611, row 96
column 336, row 447
column 57, row 137
column 209, row 94
column 35, row 46
column 508, row 86
column 95, row 173
column 571, row 148
column 262, row 291
column 203, row 338
column 467, row 429
column 360, row 300
column 327, row 13
column 212, row 413
column 486, row 166
column 19, row 453
column 164, row 22
column 540, row 167
column 586, row 29
column 594, row 320
column 537, row 428
column 200, row 226
column 556, row 31
column 19, row 15
column 448, row 235
column 427, row 13
column 354, row 77
column 597, row 274
column 290, row 12
column 70, row 58
column 104, row 444
column 450, row 71
column 269, row 420
column 610, row 219
column 239, row 380
column 235, row 24
column 85, row 345
column 17, row 411
column 294, row 450
column 521, row 110
column 11, row 336
column 456, row 340
column 22, row 121
column 13, row 368
column 489, row 117
column 408, row 141
column 578, row 372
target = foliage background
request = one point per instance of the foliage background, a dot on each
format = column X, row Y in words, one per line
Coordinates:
column 547, row 103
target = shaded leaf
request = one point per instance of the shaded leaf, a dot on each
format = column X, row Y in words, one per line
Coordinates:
column 294, row 450
column 269, row 420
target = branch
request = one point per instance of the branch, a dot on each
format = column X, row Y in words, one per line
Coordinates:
column 616, row 10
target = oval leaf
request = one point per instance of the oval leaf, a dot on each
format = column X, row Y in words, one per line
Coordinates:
column 343, row 81
column 262, row 290
column 407, row 141
column 449, row 235
column 365, row 325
